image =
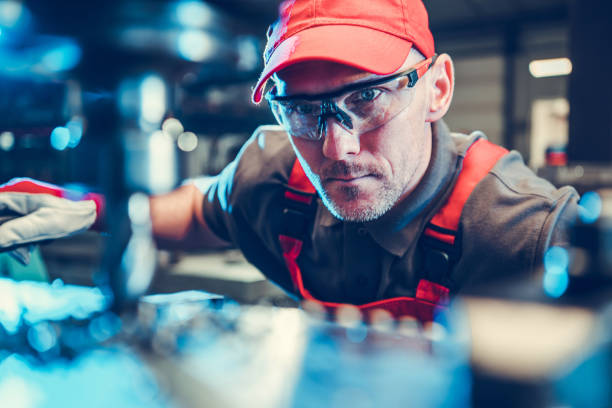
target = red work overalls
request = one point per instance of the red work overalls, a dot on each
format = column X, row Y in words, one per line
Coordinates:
column 430, row 296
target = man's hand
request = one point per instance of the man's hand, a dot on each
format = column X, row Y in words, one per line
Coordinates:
column 31, row 211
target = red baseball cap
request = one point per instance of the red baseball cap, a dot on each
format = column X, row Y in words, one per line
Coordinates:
column 372, row 35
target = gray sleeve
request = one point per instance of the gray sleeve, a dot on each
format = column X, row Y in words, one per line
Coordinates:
column 511, row 218
column 557, row 226
column 241, row 196
column 216, row 209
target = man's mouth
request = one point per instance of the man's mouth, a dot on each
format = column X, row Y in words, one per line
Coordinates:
column 348, row 178
column 343, row 172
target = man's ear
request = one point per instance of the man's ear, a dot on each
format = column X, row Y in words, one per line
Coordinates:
column 442, row 84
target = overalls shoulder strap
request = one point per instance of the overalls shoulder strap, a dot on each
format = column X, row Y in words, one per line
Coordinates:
column 479, row 159
column 441, row 240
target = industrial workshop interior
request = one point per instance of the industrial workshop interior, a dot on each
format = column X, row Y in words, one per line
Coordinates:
column 419, row 214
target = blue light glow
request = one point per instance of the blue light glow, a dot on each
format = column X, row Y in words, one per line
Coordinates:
column 589, row 208
column 60, row 137
column 42, row 337
column 195, row 45
column 556, row 260
column 76, row 383
column 75, row 127
column 11, row 12
column 555, row 285
column 153, row 99
column 248, row 53
column 74, row 192
column 62, row 58
column 43, row 304
column 193, row 14
column 76, row 337
column 230, row 310
column 104, row 327
column 187, row 141
column 556, row 277
column 261, row 140
column 128, row 97
column 7, row 141
column 10, row 309
column 138, row 209
column 18, row 391
column 162, row 163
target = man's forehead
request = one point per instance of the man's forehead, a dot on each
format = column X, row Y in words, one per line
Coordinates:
column 318, row 77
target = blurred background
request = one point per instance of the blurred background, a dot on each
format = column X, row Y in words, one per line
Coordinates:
column 138, row 95
column 153, row 92
column 63, row 58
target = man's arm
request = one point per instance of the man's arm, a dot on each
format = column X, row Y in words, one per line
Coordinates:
column 178, row 221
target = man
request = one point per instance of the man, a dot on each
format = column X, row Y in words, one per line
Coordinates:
column 384, row 207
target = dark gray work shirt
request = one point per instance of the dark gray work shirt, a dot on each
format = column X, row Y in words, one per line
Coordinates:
column 508, row 222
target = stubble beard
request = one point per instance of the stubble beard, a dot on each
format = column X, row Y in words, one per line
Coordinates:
column 354, row 207
column 352, row 204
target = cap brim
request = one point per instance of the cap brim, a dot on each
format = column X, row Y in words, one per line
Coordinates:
column 363, row 48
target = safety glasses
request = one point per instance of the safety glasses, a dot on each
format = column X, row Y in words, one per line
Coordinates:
column 358, row 107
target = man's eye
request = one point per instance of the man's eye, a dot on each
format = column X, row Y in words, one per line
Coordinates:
column 303, row 108
column 369, row 94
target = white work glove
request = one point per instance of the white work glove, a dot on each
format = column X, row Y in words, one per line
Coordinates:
column 40, row 215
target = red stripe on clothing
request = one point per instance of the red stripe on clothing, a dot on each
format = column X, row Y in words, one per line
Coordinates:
column 479, row 160
column 299, row 181
column 447, row 238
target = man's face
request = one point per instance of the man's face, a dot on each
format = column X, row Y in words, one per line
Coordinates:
column 361, row 176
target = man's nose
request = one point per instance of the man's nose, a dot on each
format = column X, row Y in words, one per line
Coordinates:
column 339, row 142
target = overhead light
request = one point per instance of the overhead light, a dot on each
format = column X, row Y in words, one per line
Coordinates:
column 152, row 99
column 7, row 141
column 550, row 67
